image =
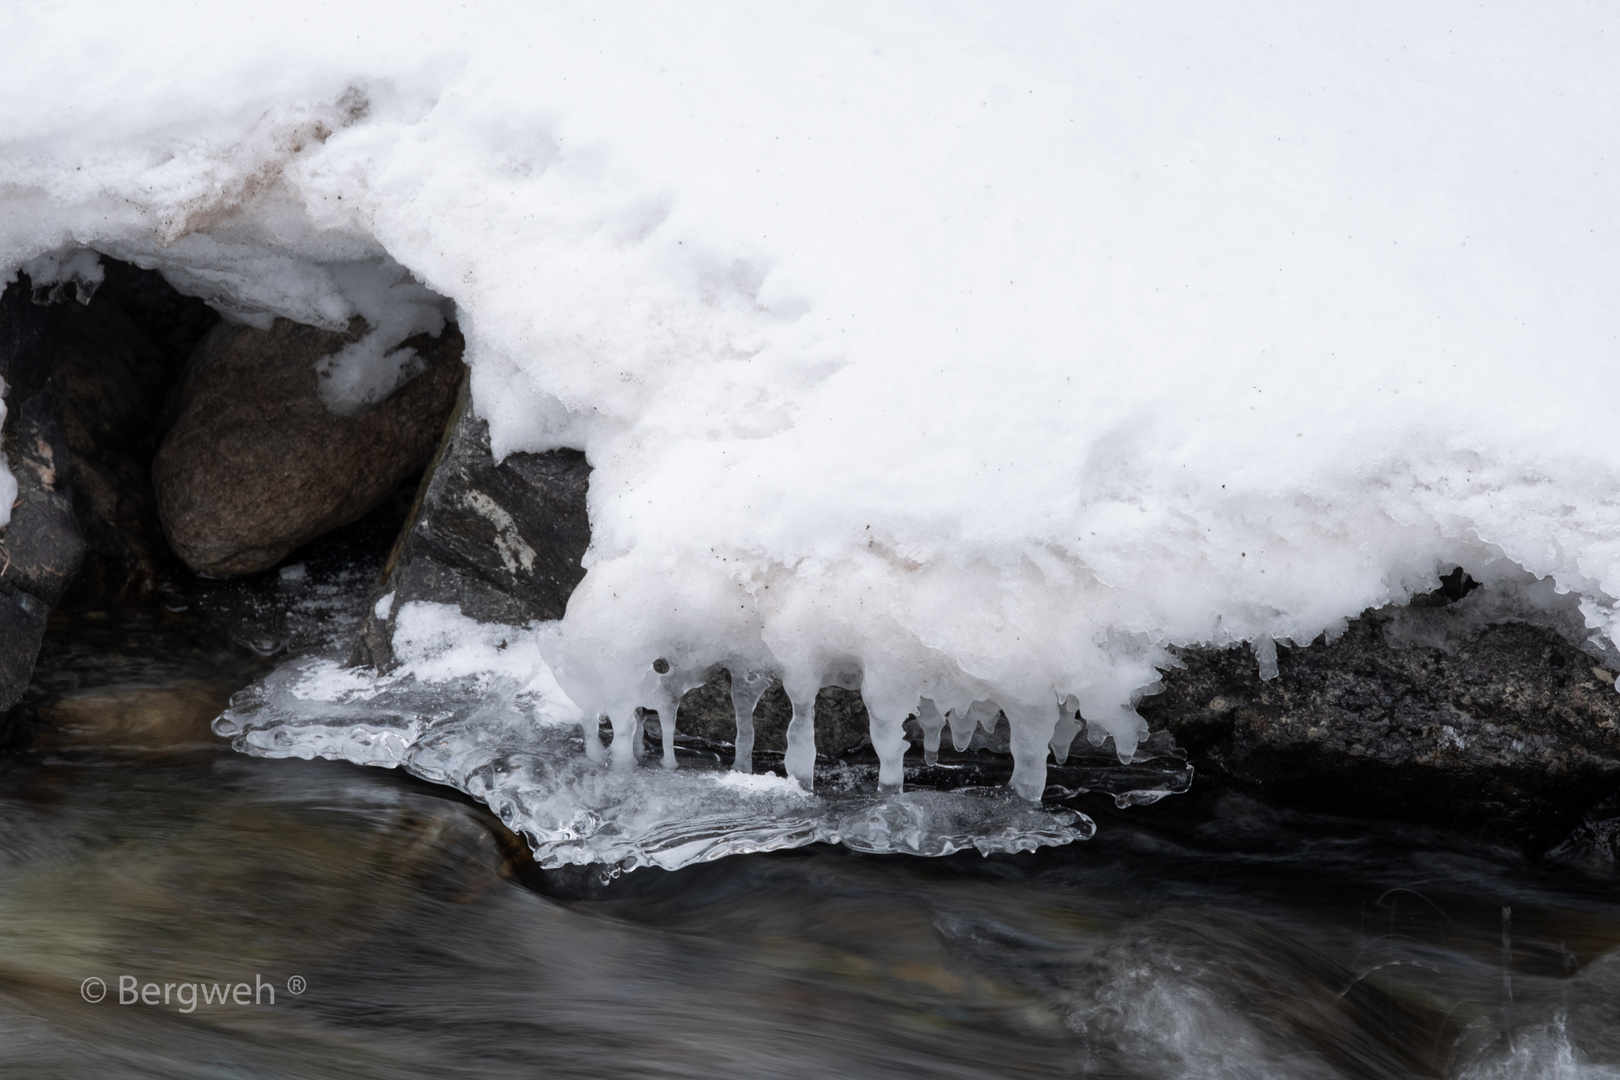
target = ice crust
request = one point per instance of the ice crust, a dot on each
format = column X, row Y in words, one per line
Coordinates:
column 476, row 706
column 976, row 354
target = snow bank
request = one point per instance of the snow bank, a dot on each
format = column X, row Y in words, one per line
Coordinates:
column 983, row 351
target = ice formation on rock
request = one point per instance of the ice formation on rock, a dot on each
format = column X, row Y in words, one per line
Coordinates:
column 978, row 355
column 477, row 706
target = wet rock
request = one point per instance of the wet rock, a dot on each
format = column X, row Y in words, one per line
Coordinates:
column 841, row 720
column 707, row 724
column 503, row 541
column 41, row 548
column 115, row 362
column 255, row 464
column 1506, row 732
column 1593, row 846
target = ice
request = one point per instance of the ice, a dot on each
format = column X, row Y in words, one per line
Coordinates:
column 747, row 687
column 479, row 708
column 932, row 725
column 52, row 272
column 975, row 357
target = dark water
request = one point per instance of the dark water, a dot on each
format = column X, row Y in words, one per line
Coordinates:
column 1199, row 937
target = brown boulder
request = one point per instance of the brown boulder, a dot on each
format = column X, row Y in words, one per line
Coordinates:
column 255, row 464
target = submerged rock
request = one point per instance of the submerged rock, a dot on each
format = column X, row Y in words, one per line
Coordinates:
column 257, row 465
column 1504, row 731
column 41, row 548
column 503, row 542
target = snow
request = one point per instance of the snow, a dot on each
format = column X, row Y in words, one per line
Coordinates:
column 983, row 351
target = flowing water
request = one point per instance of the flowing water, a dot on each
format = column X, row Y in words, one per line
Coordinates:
column 1201, row 937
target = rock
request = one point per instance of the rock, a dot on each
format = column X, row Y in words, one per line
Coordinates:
column 41, row 548
column 841, row 720
column 171, row 718
column 1593, row 847
column 255, row 464
column 1504, row 732
column 113, row 378
column 502, row 542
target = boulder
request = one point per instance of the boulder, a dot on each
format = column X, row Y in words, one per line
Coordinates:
column 255, row 465
column 502, row 541
column 41, row 548
column 1505, row 731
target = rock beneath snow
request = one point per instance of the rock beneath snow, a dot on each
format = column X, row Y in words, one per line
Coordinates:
column 41, row 548
column 841, row 719
column 256, row 465
column 1506, row 732
column 502, row 541
column 115, row 362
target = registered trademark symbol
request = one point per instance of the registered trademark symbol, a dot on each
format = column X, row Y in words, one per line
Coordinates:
column 296, row 984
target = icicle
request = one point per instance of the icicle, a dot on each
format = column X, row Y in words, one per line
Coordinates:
column 963, row 725
column 1265, row 651
column 932, row 724
column 669, row 704
column 888, row 731
column 626, row 736
column 746, row 690
column 1067, row 728
column 1031, row 738
column 590, row 728
column 800, row 758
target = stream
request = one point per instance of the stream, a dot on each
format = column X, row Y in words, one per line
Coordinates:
column 1203, row 936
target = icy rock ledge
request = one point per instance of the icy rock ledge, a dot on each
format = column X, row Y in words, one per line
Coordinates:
column 516, row 744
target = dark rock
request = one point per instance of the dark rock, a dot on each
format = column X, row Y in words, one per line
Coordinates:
column 1593, row 847
column 707, row 722
column 841, row 720
column 172, row 322
column 502, row 542
column 113, row 379
column 41, row 547
column 1507, row 732
column 256, row 465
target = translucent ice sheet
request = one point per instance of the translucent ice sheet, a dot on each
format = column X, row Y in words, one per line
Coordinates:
column 510, row 746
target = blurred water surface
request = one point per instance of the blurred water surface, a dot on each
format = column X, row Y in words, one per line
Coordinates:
column 1196, row 938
